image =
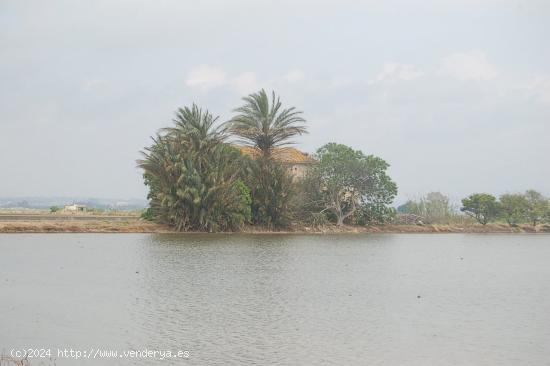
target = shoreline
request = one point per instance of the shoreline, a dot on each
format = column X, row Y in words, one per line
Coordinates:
column 146, row 227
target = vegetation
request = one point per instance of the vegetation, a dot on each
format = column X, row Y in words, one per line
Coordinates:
column 263, row 124
column 538, row 206
column 346, row 183
column 198, row 181
column 194, row 176
column 515, row 208
column 481, row 206
column 433, row 208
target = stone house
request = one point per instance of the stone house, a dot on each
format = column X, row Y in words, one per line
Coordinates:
column 297, row 162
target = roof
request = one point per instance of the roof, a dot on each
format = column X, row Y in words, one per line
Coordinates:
column 289, row 155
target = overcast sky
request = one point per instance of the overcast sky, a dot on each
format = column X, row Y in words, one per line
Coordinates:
column 455, row 95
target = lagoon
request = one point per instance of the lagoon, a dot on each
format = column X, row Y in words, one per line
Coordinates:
column 366, row 299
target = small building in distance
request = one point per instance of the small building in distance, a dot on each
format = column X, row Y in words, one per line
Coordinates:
column 75, row 208
column 297, row 162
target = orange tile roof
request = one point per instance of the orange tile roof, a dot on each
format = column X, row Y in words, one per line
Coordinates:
column 287, row 155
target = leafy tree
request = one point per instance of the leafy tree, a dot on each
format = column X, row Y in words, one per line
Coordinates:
column 373, row 213
column 513, row 208
column 194, row 177
column 537, row 206
column 481, row 206
column 263, row 124
column 349, row 181
column 54, row 209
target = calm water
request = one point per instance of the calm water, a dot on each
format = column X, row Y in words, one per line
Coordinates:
column 281, row 300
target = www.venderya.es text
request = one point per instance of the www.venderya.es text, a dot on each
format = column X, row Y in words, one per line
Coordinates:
column 97, row 353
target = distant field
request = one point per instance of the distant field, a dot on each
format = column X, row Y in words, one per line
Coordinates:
column 38, row 214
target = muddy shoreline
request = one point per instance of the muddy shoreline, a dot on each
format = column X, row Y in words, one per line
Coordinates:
column 142, row 226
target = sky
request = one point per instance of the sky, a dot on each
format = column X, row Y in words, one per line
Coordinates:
column 454, row 95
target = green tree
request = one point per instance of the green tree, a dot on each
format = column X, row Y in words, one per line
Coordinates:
column 265, row 125
column 537, row 206
column 350, row 181
column 194, row 177
column 513, row 208
column 481, row 206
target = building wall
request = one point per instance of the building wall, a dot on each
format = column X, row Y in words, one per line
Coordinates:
column 299, row 171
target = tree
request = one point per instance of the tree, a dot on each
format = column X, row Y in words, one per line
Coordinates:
column 537, row 206
column 438, row 208
column 481, row 206
column 513, row 208
column 433, row 207
column 349, row 181
column 263, row 124
column 409, row 207
column 194, row 177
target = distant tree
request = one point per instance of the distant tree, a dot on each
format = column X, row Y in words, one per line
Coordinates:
column 437, row 206
column 514, row 208
column 537, row 206
column 349, row 180
column 409, row 207
column 433, row 207
column 262, row 123
column 481, row 206
column 54, row 209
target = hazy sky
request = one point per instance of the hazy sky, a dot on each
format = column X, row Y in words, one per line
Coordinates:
column 455, row 95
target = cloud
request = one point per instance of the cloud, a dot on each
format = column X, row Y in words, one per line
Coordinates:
column 472, row 65
column 293, row 76
column 539, row 86
column 206, row 77
column 245, row 83
column 392, row 72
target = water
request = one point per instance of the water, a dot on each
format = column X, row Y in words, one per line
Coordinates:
column 279, row 299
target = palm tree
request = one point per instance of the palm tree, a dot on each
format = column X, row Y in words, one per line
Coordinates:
column 263, row 124
column 194, row 177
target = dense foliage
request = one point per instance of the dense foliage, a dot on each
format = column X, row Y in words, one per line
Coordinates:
column 481, row 206
column 263, row 124
column 198, row 181
column 194, row 176
column 346, row 183
column 515, row 208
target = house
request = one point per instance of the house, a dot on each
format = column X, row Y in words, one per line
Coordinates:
column 75, row 208
column 297, row 162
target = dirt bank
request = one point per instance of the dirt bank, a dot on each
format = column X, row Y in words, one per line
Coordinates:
column 72, row 226
column 141, row 226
